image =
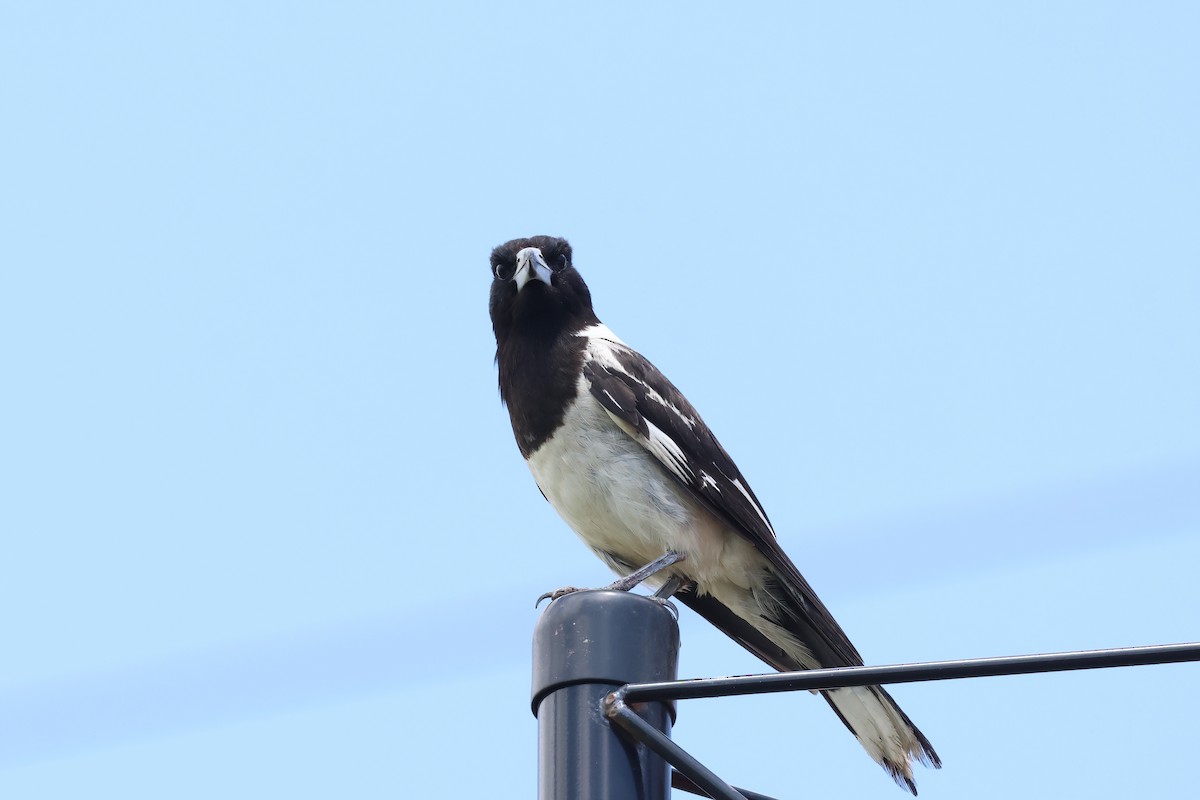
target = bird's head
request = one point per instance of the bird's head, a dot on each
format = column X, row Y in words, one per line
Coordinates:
column 535, row 288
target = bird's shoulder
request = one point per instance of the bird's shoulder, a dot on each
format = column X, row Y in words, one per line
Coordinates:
column 649, row 407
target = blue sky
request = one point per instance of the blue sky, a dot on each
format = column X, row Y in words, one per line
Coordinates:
column 931, row 273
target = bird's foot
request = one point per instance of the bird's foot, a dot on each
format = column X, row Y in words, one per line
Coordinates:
column 631, row 580
column 557, row 593
column 667, row 591
column 667, row 604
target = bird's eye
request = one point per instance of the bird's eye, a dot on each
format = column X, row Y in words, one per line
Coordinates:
column 560, row 263
column 503, row 271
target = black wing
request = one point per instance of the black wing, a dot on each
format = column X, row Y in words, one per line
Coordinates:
column 650, row 409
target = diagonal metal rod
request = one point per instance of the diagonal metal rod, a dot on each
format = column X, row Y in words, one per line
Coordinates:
column 842, row 677
column 625, row 718
column 685, row 784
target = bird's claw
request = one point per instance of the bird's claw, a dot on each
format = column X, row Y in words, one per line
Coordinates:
column 666, row 603
column 557, row 593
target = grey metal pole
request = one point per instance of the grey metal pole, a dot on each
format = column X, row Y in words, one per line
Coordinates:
column 585, row 646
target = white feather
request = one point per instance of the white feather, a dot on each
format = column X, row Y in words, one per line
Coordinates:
column 757, row 508
column 878, row 727
column 601, row 331
column 621, row 500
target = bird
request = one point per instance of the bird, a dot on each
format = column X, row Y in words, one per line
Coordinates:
column 628, row 463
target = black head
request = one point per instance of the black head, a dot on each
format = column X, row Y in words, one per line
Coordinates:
column 536, row 290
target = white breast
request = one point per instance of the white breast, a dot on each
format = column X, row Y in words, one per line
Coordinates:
column 621, row 501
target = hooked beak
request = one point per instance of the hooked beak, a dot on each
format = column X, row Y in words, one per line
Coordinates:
column 531, row 265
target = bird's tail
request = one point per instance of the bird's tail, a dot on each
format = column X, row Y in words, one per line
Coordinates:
column 884, row 730
column 787, row 626
column 808, row 637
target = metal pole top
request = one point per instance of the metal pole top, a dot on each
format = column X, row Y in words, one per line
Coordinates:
column 602, row 636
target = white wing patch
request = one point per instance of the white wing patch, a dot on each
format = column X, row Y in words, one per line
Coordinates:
column 613, row 399
column 686, row 419
column 761, row 515
column 601, row 331
column 676, row 461
column 708, row 481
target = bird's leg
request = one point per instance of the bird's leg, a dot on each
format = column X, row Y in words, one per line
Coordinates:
column 669, row 588
column 637, row 576
column 632, row 579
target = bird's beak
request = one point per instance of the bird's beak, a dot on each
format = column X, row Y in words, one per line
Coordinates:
column 530, row 265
